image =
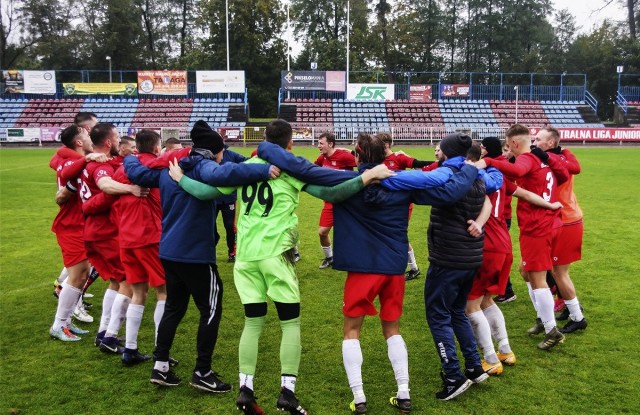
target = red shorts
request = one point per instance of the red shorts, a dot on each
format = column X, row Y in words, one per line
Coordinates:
column 72, row 247
column 360, row 290
column 536, row 251
column 326, row 217
column 143, row 265
column 492, row 276
column 567, row 248
column 105, row 257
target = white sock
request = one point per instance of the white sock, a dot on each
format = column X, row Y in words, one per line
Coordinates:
column 161, row 366
column 482, row 331
column 533, row 298
column 246, row 380
column 397, row 352
column 352, row 360
column 134, row 319
column 157, row 315
column 328, row 251
column 413, row 265
column 63, row 276
column 107, row 304
column 66, row 304
column 544, row 301
column 498, row 327
column 289, row 382
column 575, row 313
column 118, row 313
column 295, row 250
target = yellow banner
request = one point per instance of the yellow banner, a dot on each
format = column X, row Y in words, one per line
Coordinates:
column 100, row 89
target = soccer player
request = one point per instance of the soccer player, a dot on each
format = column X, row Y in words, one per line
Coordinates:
column 101, row 235
column 501, row 153
column 358, row 222
column 400, row 161
column 187, row 251
column 485, row 317
column 267, row 235
column 333, row 158
column 68, row 227
column 139, row 229
column 226, row 205
column 568, row 246
column 171, row 144
column 538, row 226
column 127, row 146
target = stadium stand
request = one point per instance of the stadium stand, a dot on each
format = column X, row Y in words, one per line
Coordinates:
column 48, row 112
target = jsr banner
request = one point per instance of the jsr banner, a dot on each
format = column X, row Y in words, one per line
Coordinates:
column 371, row 91
column 162, row 82
column 220, row 82
column 99, row 88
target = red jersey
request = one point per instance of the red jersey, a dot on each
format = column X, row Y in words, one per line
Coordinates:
column 507, row 199
column 69, row 218
column 536, row 177
column 139, row 219
column 99, row 226
column 431, row 166
column 339, row 160
column 570, row 212
column 398, row 161
column 496, row 234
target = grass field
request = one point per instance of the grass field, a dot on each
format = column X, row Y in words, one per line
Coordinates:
column 594, row 372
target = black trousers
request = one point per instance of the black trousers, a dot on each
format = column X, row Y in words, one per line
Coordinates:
column 202, row 282
column 228, row 211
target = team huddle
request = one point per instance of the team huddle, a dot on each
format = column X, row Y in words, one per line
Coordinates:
column 144, row 216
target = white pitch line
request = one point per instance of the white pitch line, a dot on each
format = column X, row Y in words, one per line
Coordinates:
column 21, row 167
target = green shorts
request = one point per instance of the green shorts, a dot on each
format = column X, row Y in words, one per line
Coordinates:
column 274, row 278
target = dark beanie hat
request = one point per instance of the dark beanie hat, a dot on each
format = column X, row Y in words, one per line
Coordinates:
column 455, row 144
column 204, row 137
column 493, row 146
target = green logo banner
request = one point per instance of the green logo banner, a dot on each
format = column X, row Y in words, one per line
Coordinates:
column 129, row 89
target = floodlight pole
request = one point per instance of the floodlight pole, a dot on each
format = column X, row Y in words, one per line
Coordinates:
column 109, row 59
column 516, row 89
column 348, row 30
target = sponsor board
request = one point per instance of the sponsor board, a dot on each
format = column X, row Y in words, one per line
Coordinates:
column 99, row 88
column 23, row 134
column 220, row 82
column 420, row 92
column 454, row 90
column 313, row 80
column 162, row 82
column 371, row 91
column 595, row 134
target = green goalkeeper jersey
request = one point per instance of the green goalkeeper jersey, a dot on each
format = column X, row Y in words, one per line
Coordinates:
column 267, row 223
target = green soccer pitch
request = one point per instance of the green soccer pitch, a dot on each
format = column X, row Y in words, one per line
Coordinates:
column 593, row 372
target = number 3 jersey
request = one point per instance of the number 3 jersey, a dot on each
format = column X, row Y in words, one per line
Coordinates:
column 267, row 223
column 539, row 179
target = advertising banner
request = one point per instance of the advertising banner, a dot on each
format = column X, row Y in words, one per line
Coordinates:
column 50, row 134
column 420, row 92
column 99, row 88
column 595, row 134
column 302, row 133
column 336, row 81
column 371, row 91
column 304, row 80
column 162, row 82
column 230, row 133
column 168, row 132
column 23, row 134
column 39, row 82
column 454, row 90
column 220, row 82
column 13, row 81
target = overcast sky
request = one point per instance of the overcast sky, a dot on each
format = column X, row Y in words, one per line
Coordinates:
column 587, row 14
